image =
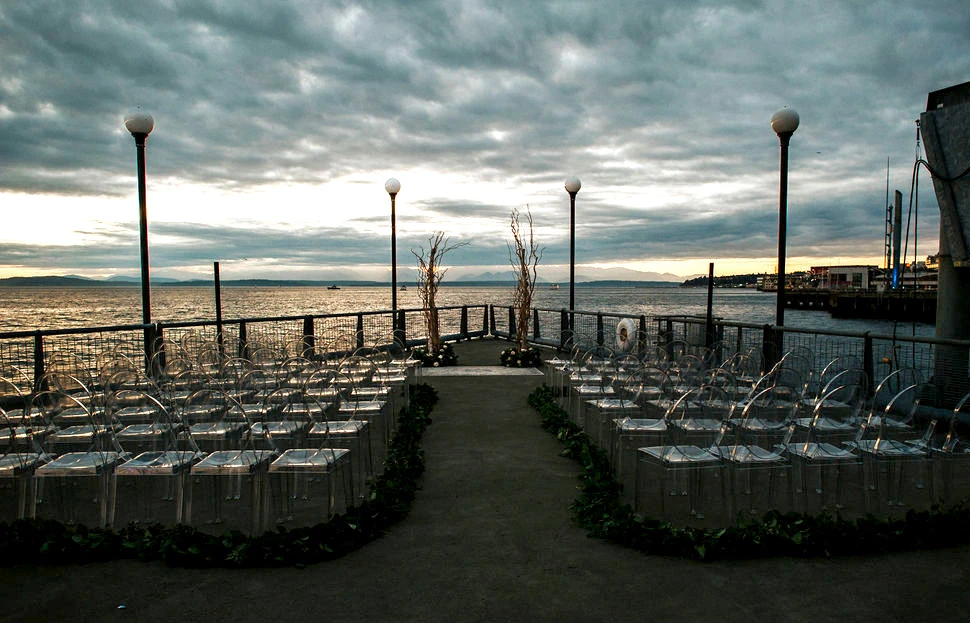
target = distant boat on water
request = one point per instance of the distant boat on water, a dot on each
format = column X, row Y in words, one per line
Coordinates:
column 554, row 286
column 404, row 288
column 333, row 287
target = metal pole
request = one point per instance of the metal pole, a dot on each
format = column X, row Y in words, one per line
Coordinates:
column 393, row 263
column 572, row 253
column 784, row 138
column 218, row 285
column 709, row 327
column 146, row 297
column 146, row 288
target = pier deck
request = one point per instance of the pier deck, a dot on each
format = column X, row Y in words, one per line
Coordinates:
column 490, row 538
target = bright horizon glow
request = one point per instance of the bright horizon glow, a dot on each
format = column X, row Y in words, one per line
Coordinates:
column 83, row 220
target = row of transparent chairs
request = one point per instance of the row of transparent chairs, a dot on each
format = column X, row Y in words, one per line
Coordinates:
column 829, row 412
column 230, row 451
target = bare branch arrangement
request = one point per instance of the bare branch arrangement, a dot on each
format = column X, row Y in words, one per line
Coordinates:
column 430, row 274
column 524, row 255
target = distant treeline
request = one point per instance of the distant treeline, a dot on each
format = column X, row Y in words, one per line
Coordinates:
column 727, row 281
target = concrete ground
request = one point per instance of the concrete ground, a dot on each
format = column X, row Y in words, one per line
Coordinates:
column 490, row 538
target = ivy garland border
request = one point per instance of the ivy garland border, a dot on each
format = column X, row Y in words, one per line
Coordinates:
column 50, row 542
column 599, row 511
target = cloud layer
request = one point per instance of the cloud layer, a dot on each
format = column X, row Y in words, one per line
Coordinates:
column 661, row 109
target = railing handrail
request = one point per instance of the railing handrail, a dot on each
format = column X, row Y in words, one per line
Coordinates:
column 850, row 334
column 211, row 323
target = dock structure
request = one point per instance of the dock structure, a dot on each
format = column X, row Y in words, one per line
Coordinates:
column 490, row 538
column 904, row 306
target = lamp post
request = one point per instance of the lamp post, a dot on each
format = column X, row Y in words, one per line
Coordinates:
column 784, row 123
column 392, row 186
column 572, row 187
column 140, row 125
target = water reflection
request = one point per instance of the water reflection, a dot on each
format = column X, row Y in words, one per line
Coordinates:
column 55, row 308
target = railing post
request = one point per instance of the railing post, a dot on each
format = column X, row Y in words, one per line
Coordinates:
column 485, row 319
column 243, row 340
column 642, row 337
column 401, row 333
column 309, row 341
column 159, row 351
column 38, row 361
column 491, row 318
column 463, row 328
column 867, row 357
column 149, row 337
column 360, row 330
column 512, row 331
column 665, row 336
column 770, row 347
column 600, row 338
column 535, row 325
column 565, row 335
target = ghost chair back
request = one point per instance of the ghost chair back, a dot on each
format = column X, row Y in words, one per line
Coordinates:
column 76, row 485
column 150, row 486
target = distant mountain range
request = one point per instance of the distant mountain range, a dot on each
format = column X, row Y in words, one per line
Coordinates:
column 583, row 275
column 485, row 279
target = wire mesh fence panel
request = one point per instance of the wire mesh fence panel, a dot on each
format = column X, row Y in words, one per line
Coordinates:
column 17, row 364
column 449, row 321
column 82, row 355
column 378, row 330
column 548, row 329
column 584, row 333
column 272, row 335
column 335, row 335
column 415, row 327
column 500, row 318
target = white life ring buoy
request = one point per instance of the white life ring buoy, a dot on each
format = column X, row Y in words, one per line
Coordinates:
column 626, row 335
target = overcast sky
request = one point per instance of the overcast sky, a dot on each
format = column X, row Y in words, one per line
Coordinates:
column 278, row 121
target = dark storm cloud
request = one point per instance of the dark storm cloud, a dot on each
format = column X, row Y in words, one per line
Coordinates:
column 644, row 100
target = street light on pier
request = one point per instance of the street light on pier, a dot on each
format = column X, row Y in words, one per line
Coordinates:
column 140, row 125
column 784, row 123
column 572, row 187
column 392, row 186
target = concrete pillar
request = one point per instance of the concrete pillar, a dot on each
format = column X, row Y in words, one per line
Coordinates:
column 952, row 322
column 945, row 129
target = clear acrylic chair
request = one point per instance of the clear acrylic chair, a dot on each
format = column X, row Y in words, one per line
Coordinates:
column 759, row 473
column 20, row 455
column 698, row 420
column 951, row 454
column 898, row 425
column 632, row 431
column 897, row 472
column 283, row 415
column 227, row 487
column 76, row 486
column 828, row 475
column 150, row 486
column 672, row 478
column 844, row 398
column 307, row 485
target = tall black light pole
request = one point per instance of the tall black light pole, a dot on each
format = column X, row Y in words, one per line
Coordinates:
column 141, row 125
column 572, row 187
column 392, row 186
column 784, row 123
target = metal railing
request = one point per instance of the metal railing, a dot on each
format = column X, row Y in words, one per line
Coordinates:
column 943, row 362
column 563, row 329
column 27, row 356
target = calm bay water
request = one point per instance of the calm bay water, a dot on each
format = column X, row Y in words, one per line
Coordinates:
column 57, row 308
